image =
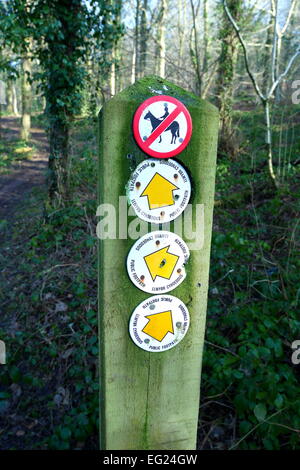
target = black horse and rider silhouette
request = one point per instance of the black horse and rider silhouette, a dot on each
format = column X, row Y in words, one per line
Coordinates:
column 173, row 127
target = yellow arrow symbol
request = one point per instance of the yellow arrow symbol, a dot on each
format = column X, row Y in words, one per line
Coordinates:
column 159, row 325
column 161, row 263
column 160, row 192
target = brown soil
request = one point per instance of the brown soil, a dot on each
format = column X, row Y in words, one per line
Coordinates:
column 23, row 175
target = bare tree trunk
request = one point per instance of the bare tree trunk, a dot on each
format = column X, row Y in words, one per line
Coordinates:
column 115, row 49
column 137, row 39
column 93, row 84
column 112, row 75
column 14, row 100
column 9, row 97
column 267, row 54
column 26, row 98
column 133, row 64
column 276, row 46
column 194, row 47
column 279, row 34
column 44, row 103
column 269, row 142
column 278, row 89
column 181, row 27
column 289, row 45
column 161, row 39
column 12, row 103
column 143, row 38
column 205, row 37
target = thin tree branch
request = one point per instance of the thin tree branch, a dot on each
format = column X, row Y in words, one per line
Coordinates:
column 197, row 65
column 242, row 42
column 275, row 40
column 291, row 10
column 283, row 74
column 257, row 426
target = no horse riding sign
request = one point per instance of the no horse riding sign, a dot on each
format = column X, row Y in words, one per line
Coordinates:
column 162, row 126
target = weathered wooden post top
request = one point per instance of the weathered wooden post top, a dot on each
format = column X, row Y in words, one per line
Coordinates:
column 157, row 158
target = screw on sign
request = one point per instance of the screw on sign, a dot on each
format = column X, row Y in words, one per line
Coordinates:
column 159, row 323
column 156, row 262
column 159, row 190
column 162, row 126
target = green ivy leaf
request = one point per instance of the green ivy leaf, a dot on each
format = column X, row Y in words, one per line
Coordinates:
column 279, row 401
column 260, row 412
column 65, row 434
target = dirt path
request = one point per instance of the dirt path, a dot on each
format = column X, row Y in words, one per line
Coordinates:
column 25, row 174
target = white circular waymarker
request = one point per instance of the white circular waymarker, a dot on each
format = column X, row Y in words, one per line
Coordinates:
column 162, row 126
column 159, row 190
column 155, row 263
column 159, row 323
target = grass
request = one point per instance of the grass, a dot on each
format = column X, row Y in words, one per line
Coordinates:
column 250, row 388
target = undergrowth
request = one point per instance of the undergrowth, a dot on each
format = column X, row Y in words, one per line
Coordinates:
column 250, row 387
column 49, row 387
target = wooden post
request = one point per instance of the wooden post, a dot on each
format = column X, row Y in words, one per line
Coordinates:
column 150, row 400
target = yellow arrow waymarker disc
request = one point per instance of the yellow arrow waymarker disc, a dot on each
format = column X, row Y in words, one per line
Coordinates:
column 156, row 262
column 159, row 323
column 159, row 190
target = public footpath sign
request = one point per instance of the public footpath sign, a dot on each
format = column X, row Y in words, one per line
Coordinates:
column 159, row 190
column 156, row 262
column 159, row 323
column 151, row 342
column 162, row 126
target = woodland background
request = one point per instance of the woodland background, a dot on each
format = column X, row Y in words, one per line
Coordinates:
column 59, row 62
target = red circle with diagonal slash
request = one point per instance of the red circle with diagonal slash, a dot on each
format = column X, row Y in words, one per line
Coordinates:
column 145, row 143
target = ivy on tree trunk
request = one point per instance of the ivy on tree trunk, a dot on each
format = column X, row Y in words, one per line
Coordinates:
column 58, row 33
